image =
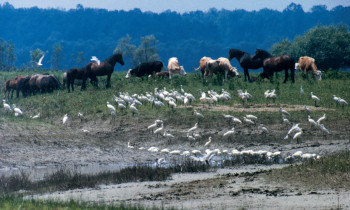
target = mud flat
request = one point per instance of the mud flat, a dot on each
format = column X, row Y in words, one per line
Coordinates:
column 229, row 188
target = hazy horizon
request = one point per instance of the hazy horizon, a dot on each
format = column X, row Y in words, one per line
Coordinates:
column 180, row 6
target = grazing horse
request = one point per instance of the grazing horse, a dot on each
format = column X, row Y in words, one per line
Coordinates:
column 73, row 74
column 19, row 83
column 246, row 61
column 105, row 68
column 275, row 64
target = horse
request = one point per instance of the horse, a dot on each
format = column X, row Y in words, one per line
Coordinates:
column 19, row 83
column 105, row 68
column 72, row 75
column 275, row 64
column 246, row 61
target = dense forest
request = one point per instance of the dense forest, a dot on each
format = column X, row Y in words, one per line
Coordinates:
column 80, row 33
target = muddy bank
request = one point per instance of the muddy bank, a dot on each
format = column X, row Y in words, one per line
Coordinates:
column 229, row 188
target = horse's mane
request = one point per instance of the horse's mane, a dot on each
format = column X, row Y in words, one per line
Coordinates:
column 262, row 53
column 113, row 58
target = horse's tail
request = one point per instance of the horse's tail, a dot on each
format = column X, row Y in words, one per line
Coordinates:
column 196, row 69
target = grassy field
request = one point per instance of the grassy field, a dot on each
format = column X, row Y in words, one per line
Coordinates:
column 92, row 102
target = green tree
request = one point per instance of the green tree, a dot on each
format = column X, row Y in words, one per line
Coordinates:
column 10, row 54
column 329, row 45
column 147, row 51
column 125, row 47
column 281, row 48
column 57, row 56
column 80, row 58
column 3, row 46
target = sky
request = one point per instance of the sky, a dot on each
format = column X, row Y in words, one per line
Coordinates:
column 180, row 6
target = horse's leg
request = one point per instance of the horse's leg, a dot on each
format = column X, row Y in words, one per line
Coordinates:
column 285, row 75
column 108, row 85
column 292, row 71
column 83, row 85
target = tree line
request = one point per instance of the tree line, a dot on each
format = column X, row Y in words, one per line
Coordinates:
column 71, row 37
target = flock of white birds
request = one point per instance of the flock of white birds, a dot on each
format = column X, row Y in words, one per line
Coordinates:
column 172, row 98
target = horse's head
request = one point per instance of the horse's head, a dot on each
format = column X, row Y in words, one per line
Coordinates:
column 115, row 58
column 233, row 53
column 182, row 71
column 262, row 54
column 128, row 75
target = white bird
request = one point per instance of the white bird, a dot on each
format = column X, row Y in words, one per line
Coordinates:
column 85, row 131
column 320, row 119
column 301, row 90
column 298, row 134
column 324, row 129
column 307, row 109
column 7, row 107
column 263, row 128
column 121, row 106
column 130, row 146
column 94, row 58
column 252, row 117
column 175, row 152
column 227, row 116
column 65, row 119
column 191, row 138
column 285, row 120
column 133, row 109
column 208, row 142
column 159, row 130
column 166, row 150
column 198, row 114
column 236, row 120
column 230, row 132
column 168, row 135
column 39, row 63
column 160, row 161
column 36, row 116
column 342, row 102
column 81, row 115
column 197, row 136
column 311, row 121
column 193, row 128
column 110, row 107
column 248, row 121
column 335, row 98
column 284, row 111
column 315, row 98
column 295, row 127
column 17, row 110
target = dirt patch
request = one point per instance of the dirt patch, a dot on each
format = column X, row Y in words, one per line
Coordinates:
column 255, row 108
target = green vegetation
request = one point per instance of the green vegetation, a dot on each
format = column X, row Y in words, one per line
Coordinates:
column 92, row 102
column 331, row 171
column 14, row 202
column 329, row 45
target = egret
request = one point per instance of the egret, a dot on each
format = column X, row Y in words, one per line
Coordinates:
column 248, row 121
column 284, row 111
column 342, row 102
column 65, row 119
column 36, row 116
column 335, row 98
column 80, row 115
column 315, row 98
column 252, row 117
column 153, row 149
column 186, row 153
column 160, row 161
column 121, row 106
column 158, row 130
column 227, row 116
column 311, row 121
column 297, row 135
column 301, row 90
column 236, row 120
column 133, row 109
column 320, row 119
column 197, row 136
column 230, row 132
column 324, row 129
column 94, row 58
column 7, row 107
column 166, row 150
column 208, row 142
column 85, row 131
column 199, row 115
column 17, row 110
column 168, row 135
column 130, row 146
column 263, row 128
column 193, row 128
column 285, row 120
column 307, row 109
column 175, row 152
column 295, row 127
column 191, row 138
column 110, row 107
column 39, row 63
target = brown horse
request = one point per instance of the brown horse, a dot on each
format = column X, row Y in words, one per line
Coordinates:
column 93, row 70
column 275, row 64
column 73, row 74
column 19, row 83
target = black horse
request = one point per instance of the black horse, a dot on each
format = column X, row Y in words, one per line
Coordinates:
column 105, row 68
column 72, row 75
column 246, row 61
column 275, row 64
